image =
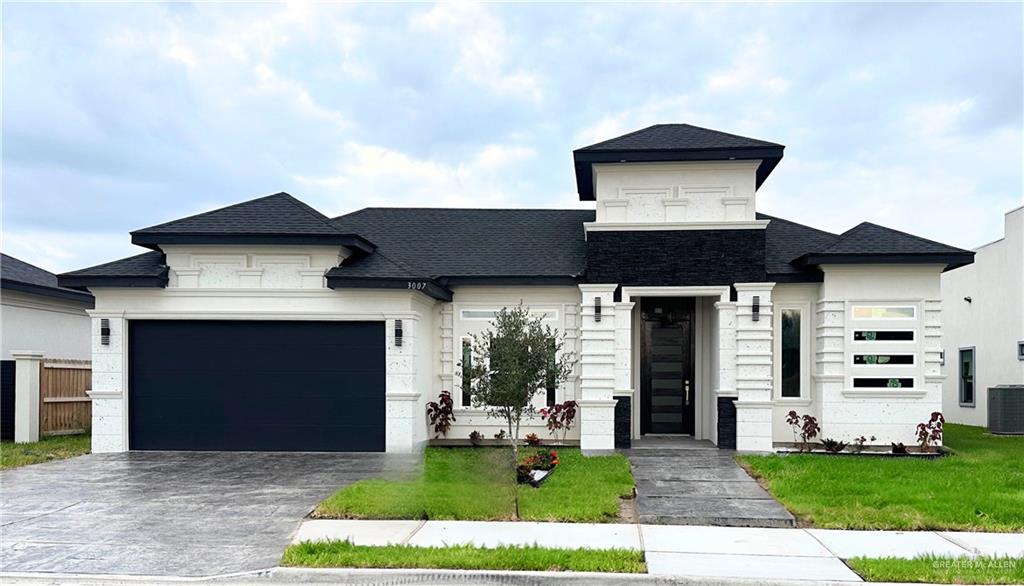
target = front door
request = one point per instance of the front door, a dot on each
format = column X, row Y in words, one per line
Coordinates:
column 667, row 390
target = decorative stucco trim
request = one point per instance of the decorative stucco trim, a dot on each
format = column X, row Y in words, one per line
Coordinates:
column 628, row 293
column 645, row 226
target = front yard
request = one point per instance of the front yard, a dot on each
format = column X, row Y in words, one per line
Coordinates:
column 479, row 484
column 939, row 570
column 56, row 447
column 979, row 488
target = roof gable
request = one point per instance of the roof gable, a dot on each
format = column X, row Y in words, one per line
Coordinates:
column 142, row 270
column 273, row 219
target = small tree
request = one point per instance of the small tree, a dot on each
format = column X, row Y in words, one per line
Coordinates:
column 514, row 360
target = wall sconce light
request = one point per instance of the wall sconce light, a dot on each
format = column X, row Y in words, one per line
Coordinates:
column 1020, row 350
column 942, row 358
column 597, row 309
column 755, row 309
column 105, row 331
column 398, row 333
column 968, row 299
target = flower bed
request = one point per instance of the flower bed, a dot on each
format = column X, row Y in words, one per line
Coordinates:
column 537, row 468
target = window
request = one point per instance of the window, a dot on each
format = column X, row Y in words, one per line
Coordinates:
column 790, row 353
column 883, row 359
column 883, row 335
column 552, row 381
column 489, row 314
column 883, row 312
column 467, row 382
column 967, row 376
column 883, row 383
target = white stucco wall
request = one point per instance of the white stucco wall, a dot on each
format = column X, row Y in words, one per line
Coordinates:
column 675, row 193
column 57, row 328
column 804, row 297
column 231, row 283
column 560, row 305
column 889, row 414
column 992, row 322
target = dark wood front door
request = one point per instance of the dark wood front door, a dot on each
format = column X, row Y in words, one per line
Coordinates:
column 667, row 389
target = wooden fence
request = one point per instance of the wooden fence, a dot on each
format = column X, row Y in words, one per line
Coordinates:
column 64, row 406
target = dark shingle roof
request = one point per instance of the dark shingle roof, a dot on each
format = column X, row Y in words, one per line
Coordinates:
column 468, row 243
column 785, row 241
column 677, row 137
column 273, row 219
column 18, row 275
column 142, row 270
column 867, row 242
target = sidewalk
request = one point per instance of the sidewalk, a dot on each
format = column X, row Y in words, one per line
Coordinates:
column 685, row 550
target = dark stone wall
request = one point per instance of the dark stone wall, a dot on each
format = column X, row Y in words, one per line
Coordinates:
column 727, row 423
column 676, row 257
column 623, row 412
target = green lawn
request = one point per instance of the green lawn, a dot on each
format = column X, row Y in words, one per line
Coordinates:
column 980, row 487
column 937, row 570
column 479, row 484
column 55, row 447
column 342, row 554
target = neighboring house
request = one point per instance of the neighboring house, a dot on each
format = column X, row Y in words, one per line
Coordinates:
column 983, row 317
column 37, row 315
column 266, row 325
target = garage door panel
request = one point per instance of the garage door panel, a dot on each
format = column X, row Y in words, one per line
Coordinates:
column 231, row 385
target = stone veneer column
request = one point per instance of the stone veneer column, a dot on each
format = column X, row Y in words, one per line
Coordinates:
column 597, row 368
column 754, row 368
column 932, row 351
column 109, row 425
column 725, row 388
column 26, row 395
column 829, row 362
column 403, row 413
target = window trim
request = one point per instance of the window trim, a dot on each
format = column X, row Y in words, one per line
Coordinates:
column 960, row 377
column 806, row 315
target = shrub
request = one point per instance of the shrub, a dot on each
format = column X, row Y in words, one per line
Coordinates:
column 532, row 439
column 440, row 414
column 475, row 437
column 858, row 443
column 833, row 446
column 560, row 417
column 929, row 433
column 806, row 426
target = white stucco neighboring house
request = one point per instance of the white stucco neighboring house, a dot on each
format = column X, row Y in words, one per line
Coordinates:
column 38, row 319
column 269, row 326
column 983, row 314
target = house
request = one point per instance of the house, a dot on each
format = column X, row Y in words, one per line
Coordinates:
column 37, row 318
column 268, row 326
column 983, row 317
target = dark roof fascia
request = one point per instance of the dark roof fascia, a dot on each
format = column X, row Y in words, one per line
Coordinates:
column 952, row 260
column 583, row 161
column 44, row 291
column 92, row 281
column 511, row 280
column 153, row 240
column 425, row 286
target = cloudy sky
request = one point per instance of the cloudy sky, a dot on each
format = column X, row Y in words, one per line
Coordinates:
column 117, row 117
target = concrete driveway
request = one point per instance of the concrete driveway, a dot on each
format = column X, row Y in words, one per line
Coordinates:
column 169, row 513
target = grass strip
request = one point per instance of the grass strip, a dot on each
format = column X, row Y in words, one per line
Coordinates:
column 55, row 447
column 941, row 570
column 343, row 554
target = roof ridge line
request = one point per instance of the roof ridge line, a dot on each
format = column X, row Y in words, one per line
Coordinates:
column 310, row 210
column 208, row 212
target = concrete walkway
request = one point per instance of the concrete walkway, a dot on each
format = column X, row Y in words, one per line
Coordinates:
column 693, row 551
column 680, row 481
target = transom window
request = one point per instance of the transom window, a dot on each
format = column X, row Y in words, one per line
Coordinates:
column 884, row 312
column 489, row 314
column 883, row 335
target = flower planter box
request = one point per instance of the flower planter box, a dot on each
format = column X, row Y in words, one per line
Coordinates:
column 536, row 476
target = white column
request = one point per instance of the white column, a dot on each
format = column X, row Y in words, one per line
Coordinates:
column 597, row 368
column 26, row 395
column 109, row 415
column 754, row 367
column 403, row 414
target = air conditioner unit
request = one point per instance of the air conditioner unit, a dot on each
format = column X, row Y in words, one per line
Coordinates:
column 1006, row 409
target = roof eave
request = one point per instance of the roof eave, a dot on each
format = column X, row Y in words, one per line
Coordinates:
column 153, row 240
column 951, row 260
column 584, row 160
column 84, row 282
column 44, row 291
column 428, row 287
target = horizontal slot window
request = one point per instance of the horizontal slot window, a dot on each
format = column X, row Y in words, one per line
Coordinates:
column 883, row 359
column 493, row 313
column 883, row 383
column 883, row 336
column 883, row 312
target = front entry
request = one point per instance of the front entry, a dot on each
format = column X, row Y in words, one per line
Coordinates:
column 667, row 389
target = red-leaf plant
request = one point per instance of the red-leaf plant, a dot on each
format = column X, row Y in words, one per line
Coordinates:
column 806, row 425
column 930, row 432
column 560, row 417
column 440, row 414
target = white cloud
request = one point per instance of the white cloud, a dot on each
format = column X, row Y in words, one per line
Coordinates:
column 61, row 251
column 375, row 175
column 752, row 70
column 483, row 47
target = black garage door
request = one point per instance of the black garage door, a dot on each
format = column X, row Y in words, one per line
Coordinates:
column 247, row 385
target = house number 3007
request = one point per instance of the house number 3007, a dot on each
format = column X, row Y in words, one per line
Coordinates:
column 417, row 285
